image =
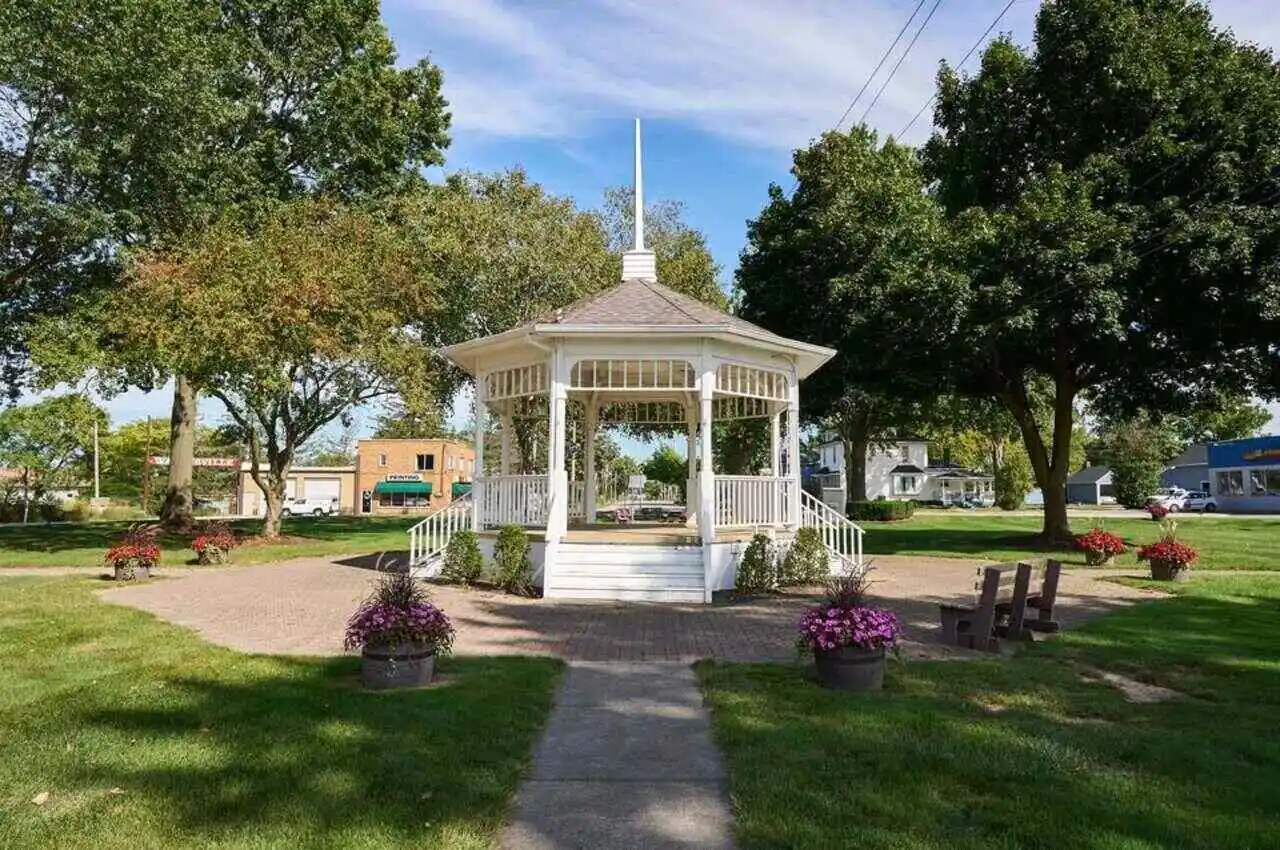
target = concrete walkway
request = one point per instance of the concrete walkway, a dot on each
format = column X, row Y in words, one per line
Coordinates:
column 626, row 762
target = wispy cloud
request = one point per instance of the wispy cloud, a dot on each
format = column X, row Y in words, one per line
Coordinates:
column 765, row 73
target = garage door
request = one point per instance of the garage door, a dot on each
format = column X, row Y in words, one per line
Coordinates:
column 323, row 488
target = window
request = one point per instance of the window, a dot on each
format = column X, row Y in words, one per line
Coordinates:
column 448, row 462
column 426, row 462
column 1230, row 483
column 404, row 500
column 1273, row 481
column 904, row 452
column 1257, row 482
column 382, row 459
column 907, row 484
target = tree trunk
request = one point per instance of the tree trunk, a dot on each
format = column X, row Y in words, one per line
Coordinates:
column 177, row 510
column 273, row 494
column 1051, row 465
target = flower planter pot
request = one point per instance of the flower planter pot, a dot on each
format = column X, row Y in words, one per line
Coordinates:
column 407, row 665
column 213, row 557
column 851, row 668
column 127, row 574
column 1169, row 571
column 1099, row 559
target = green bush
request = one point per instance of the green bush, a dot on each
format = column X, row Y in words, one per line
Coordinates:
column 806, row 562
column 463, row 562
column 1013, row 481
column 881, row 510
column 512, row 563
column 758, row 570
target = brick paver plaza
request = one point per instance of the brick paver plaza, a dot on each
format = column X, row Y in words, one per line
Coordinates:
column 300, row 607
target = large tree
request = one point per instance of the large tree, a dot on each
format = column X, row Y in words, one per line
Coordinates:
column 48, row 442
column 1113, row 196
column 291, row 325
column 186, row 109
column 852, row 259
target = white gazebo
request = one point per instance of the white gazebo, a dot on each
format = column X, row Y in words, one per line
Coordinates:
column 637, row 353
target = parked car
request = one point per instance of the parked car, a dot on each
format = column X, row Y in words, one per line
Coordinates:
column 1172, row 498
column 1199, row 501
column 312, row 507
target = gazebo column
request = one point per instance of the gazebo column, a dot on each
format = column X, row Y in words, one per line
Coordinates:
column 780, row 507
column 691, row 503
column 589, row 459
column 478, row 477
column 557, row 477
column 706, row 473
column 793, row 448
column 506, row 424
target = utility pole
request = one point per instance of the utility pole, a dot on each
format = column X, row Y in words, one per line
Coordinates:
column 146, row 468
column 97, row 489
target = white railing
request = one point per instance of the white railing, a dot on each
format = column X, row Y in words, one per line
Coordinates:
column 429, row 537
column 842, row 537
column 513, row 500
column 577, row 499
column 752, row 500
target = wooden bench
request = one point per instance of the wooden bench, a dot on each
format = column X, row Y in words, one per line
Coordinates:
column 1004, row 595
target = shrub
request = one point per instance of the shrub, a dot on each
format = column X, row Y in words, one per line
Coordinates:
column 1012, row 480
column 881, row 510
column 398, row 612
column 806, row 561
column 135, row 549
column 758, row 569
column 511, row 560
column 463, row 562
column 214, row 544
column 1098, row 546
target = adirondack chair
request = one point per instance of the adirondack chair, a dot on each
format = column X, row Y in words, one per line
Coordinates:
column 1004, row 595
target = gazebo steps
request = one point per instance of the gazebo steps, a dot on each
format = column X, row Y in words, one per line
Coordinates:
column 627, row 572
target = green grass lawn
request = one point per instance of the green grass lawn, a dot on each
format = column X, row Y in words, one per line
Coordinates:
column 143, row 736
column 1023, row 752
column 83, row 544
column 1224, row 544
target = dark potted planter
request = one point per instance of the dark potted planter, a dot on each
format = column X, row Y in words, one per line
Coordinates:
column 137, row 571
column 1169, row 571
column 851, row 668
column 405, row 665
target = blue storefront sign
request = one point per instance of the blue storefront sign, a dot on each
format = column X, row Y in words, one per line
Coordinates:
column 1244, row 475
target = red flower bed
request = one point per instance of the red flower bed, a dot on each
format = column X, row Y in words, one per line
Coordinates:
column 1169, row 552
column 1158, row 511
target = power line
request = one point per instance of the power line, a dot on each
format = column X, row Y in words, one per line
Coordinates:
column 975, row 46
column 898, row 64
column 883, row 58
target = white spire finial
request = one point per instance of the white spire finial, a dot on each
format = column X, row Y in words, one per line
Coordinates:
column 639, row 263
column 639, row 246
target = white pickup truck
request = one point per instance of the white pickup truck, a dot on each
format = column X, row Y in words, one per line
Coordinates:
column 310, row 507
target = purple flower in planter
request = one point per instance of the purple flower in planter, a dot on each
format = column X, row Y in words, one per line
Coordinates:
column 823, row 627
column 417, row 622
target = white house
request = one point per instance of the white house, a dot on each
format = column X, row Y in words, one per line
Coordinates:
column 901, row 470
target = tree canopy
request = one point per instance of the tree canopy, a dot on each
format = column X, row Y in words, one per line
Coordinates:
column 1112, row 195
column 291, row 325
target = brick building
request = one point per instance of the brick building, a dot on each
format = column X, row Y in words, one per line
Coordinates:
column 411, row 476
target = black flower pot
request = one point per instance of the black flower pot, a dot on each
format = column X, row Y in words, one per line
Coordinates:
column 1169, row 571
column 139, row 571
column 406, row 665
column 851, row 668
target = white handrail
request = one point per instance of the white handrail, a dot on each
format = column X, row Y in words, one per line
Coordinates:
column 751, row 500
column 430, row 536
column 841, row 536
column 513, row 500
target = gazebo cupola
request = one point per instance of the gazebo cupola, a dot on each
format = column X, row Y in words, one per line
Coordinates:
column 636, row 353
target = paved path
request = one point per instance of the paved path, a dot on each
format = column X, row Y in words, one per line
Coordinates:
column 300, row 607
column 626, row 762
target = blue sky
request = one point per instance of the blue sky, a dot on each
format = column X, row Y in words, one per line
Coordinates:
column 725, row 88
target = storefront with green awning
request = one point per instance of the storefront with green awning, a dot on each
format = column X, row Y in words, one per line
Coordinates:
column 403, row 494
column 460, row 488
